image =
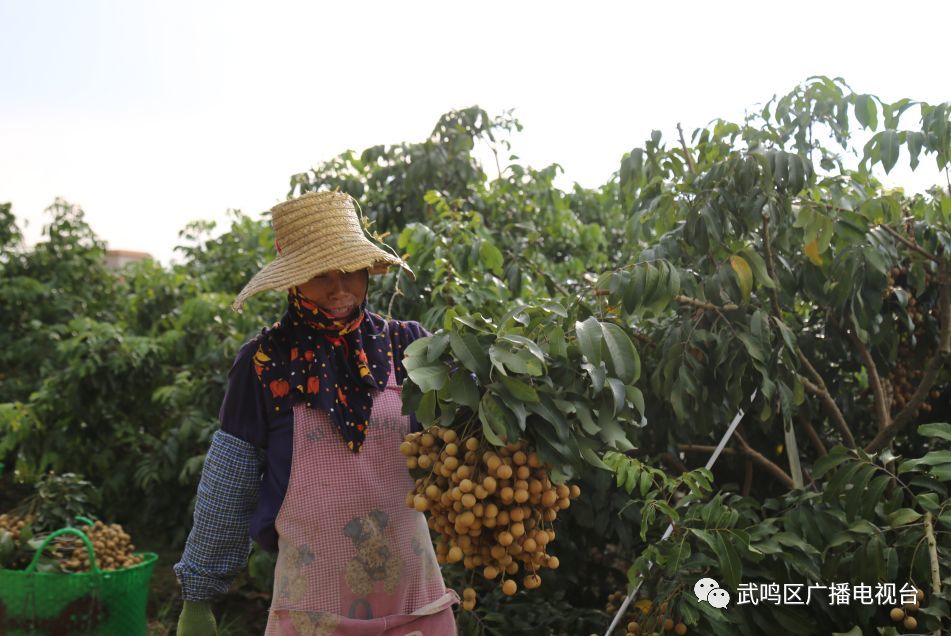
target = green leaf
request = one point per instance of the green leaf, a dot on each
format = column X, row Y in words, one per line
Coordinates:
column 467, row 350
column 623, row 359
column 592, row 458
column 826, row 463
column 888, row 143
column 730, row 565
column 493, row 417
column 584, row 416
column 546, row 409
column 463, row 389
column 636, row 397
column 519, row 389
column 744, row 275
column 936, row 429
column 866, row 111
column 903, row 516
column 491, row 257
column 758, row 265
column 431, row 378
column 426, row 411
column 617, row 391
column 557, row 347
column 590, row 335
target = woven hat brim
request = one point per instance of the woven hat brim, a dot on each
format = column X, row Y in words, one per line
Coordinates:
column 289, row 270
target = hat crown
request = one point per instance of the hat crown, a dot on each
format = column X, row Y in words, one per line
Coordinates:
column 314, row 219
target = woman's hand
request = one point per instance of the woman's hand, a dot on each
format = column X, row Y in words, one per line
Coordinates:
column 196, row 619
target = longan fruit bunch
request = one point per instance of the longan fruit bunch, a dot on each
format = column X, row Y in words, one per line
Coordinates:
column 904, row 614
column 14, row 524
column 493, row 507
column 111, row 544
column 652, row 620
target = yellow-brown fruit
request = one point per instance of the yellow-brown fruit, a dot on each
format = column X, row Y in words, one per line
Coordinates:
column 575, row 491
column 680, row 629
column 504, row 472
column 433, row 492
column 407, row 448
column 468, row 593
column 911, row 608
column 455, row 554
column 466, row 485
column 492, row 461
column 531, row 581
column 553, row 562
column 411, row 463
column 468, row 605
column 521, row 496
column 489, row 484
column 512, row 568
column 427, row 440
column 549, row 498
column 451, row 450
column 490, row 572
column 420, row 503
column 410, row 503
column 523, row 472
column 509, row 588
column 505, row 538
column 920, row 595
column 910, row 622
column 449, row 436
column 424, row 462
column 896, row 614
column 668, row 625
column 472, row 444
column 633, row 627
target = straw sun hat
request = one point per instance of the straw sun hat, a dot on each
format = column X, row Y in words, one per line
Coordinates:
column 315, row 233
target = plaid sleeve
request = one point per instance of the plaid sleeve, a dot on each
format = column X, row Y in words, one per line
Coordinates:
column 219, row 544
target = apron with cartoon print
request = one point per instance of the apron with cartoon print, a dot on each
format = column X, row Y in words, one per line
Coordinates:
column 362, row 564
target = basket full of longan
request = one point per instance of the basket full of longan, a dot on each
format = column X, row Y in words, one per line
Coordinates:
column 492, row 507
column 77, row 580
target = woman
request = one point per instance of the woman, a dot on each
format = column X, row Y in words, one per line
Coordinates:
column 307, row 459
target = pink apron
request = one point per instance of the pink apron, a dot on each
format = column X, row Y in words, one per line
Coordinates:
column 353, row 559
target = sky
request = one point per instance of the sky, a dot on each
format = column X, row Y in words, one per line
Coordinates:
column 153, row 114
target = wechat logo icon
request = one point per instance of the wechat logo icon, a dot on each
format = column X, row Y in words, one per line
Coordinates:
column 710, row 591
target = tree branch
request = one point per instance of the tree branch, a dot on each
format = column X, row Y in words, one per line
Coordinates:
column 770, row 266
column 910, row 245
column 933, row 557
column 746, row 451
column 812, row 435
column 695, row 302
column 819, row 390
column 934, row 364
column 881, row 407
column 687, row 155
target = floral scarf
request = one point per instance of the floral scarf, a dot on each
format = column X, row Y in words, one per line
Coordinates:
column 327, row 363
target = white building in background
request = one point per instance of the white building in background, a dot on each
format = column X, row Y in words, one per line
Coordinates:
column 116, row 259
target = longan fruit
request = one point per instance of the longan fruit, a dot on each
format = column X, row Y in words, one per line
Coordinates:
column 680, row 629
column 466, row 485
column 505, row 538
column 509, row 588
column 427, row 440
column 521, row 496
column 668, row 625
column 407, row 448
column 530, row 545
column 468, row 605
column 424, row 462
column 490, row 572
column 449, row 436
column 896, row 614
column 553, row 562
column 492, row 462
column 519, row 458
column 575, row 491
column 910, row 622
column 504, row 471
column 420, row 503
column 549, row 498
column 920, row 595
column 472, row 444
column 489, row 484
column 451, row 463
column 531, row 581
column 451, row 450
column 511, row 568
column 455, row 554
column 468, row 500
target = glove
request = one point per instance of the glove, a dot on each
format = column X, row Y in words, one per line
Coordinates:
column 196, row 619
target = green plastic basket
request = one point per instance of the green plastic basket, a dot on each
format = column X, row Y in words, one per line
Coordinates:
column 100, row 603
